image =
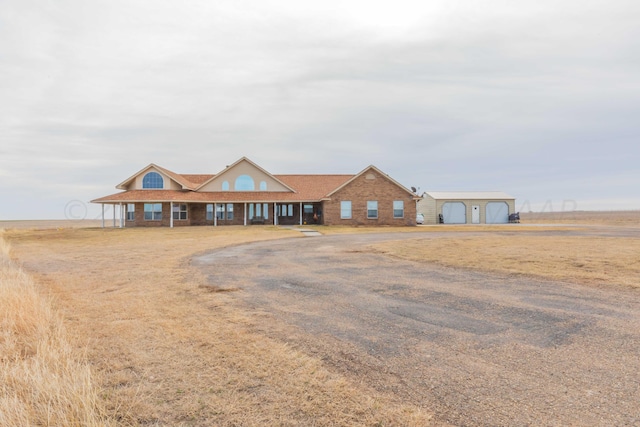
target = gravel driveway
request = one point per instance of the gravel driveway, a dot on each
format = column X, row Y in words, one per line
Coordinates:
column 477, row 349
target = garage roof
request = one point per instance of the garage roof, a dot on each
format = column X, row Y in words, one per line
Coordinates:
column 469, row 195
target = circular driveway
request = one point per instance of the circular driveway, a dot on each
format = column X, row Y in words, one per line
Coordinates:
column 475, row 348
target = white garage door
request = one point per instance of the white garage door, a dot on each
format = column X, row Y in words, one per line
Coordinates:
column 454, row 213
column 497, row 213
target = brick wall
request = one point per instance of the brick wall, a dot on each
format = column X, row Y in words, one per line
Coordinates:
column 370, row 186
column 196, row 215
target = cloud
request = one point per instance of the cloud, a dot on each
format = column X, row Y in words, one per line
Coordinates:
column 442, row 95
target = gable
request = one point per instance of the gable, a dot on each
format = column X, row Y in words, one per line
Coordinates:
column 170, row 180
column 244, row 175
column 370, row 180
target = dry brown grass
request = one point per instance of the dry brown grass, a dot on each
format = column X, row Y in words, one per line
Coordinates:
column 609, row 218
column 48, row 224
column 169, row 349
column 172, row 350
column 44, row 381
column 440, row 228
column 580, row 259
column 585, row 259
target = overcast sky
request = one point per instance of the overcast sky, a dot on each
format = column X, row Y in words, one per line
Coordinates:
column 540, row 99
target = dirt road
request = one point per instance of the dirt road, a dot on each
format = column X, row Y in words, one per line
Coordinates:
column 478, row 349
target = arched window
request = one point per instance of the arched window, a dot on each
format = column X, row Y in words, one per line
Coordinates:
column 263, row 186
column 152, row 180
column 244, row 183
column 225, row 186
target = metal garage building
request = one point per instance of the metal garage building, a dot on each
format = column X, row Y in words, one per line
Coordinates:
column 466, row 207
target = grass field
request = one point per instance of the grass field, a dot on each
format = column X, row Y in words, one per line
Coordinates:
column 44, row 379
column 580, row 259
column 169, row 351
column 618, row 218
column 132, row 336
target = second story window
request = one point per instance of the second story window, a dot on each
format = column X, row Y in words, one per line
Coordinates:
column 244, row 183
column 152, row 180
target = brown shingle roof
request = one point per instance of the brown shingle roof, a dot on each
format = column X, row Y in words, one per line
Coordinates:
column 196, row 180
column 314, row 187
column 308, row 188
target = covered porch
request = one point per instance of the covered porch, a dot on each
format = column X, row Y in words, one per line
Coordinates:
column 177, row 213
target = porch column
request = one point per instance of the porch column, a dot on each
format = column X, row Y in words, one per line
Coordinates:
column 171, row 215
column 215, row 214
column 275, row 214
column 300, row 213
column 114, row 215
column 245, row 214
column 121, row 216
column 102, row 215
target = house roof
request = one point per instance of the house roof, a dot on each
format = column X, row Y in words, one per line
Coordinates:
column 469, row 195
column 197, row 180
column 314, row 187
column 303, row 188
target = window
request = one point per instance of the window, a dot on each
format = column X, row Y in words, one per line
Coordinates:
column 308, row 209
column 152, row 180
column 398, row 209
column 220, row 211
column 225, row 186
column 259, row 210
column 131, row 212
column 180, row 211
column 153, row 211
column 285, row 210
column 244, row 183
column 263, row 186
column 345, row 209
column 372, row 209
column 210, row 212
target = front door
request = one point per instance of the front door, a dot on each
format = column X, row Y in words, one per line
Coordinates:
column 475, row 214
column 311, row 213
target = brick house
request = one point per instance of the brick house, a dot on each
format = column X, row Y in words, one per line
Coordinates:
column 245, row 194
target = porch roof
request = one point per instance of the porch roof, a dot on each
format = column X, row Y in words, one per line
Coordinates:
column 200, row 197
